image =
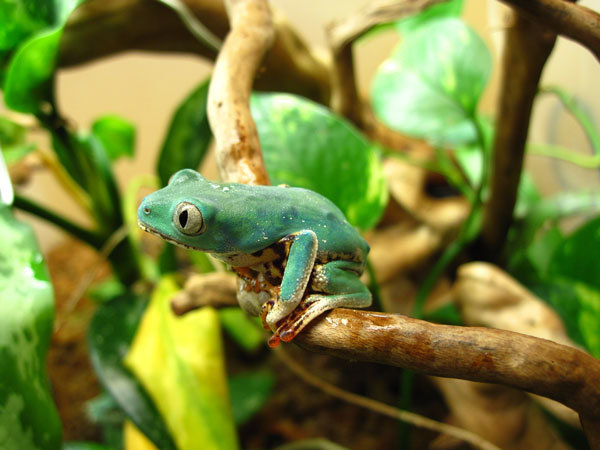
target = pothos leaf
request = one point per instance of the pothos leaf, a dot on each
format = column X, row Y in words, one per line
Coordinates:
column 431, row 85
column 306, row 145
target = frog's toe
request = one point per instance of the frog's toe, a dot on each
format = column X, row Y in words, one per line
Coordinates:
column 278, row 312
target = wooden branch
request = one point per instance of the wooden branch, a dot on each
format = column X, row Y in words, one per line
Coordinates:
column 238, row 150
column 488, row 355
column 564, row 17
column 102, row 28
column 526, row 51
column 342, row 34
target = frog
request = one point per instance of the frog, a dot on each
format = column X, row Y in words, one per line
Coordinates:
column 294, row 252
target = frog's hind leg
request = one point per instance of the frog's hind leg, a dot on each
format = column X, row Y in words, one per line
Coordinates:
column 341, row 289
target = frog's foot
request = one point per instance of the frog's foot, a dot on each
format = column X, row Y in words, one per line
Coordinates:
column 312, row 307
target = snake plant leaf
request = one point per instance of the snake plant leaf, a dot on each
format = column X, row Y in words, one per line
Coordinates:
column 188, row 137
column 29, row 82
column 306, row 145
column 179, row 360
column 430, row 87
column 109, row 338
column 28, row 417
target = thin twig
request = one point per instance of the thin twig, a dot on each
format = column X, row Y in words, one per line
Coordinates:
column 381, row 408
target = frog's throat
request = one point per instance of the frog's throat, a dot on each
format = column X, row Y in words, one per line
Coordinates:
column 155, row 232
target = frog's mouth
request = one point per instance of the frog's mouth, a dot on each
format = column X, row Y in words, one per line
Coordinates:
column 155, row 232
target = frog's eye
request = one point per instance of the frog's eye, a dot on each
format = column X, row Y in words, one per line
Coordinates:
column 188, row 219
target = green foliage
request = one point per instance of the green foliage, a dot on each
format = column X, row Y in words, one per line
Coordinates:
column 451, row 8
column 13, row 141
column 564, row 272
column 188, row 137
column 109, row 338
column 431, row 85
column 249, row 392
column 84, row 446
column 28, row 86
column 242, row 329
column 28, row 417
column 116, row 134
column 306, row 145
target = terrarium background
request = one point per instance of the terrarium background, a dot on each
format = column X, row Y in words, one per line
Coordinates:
column 146, row 88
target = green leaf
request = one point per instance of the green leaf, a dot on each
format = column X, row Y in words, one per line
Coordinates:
column 20, row 19
column 28, row 417
column 563, row 298
column 540, row 251
column 116, row 134
column 28, row 86
column 188, row 137
column 306, row 145
column 452, row 8
column 431, row 86
column 84, row 446
column 589, row 316
column 109, row 337
column 577, row 256
column 180, row 362
column 12, row 141
column 242, row 329
column 249, row 392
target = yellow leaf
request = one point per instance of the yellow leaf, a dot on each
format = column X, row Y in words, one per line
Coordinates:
column 134, row 439
column 179, row 360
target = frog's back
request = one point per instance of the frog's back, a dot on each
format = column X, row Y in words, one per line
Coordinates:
column 289, row 210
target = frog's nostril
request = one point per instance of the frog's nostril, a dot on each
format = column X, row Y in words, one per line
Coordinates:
column 146, row 210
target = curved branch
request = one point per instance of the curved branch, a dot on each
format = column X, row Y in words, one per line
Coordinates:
column 566, row 18
column 238, row 151
column 488, row 355
column 99, row 28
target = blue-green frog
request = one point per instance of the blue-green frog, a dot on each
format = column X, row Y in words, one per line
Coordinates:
column 295, row 253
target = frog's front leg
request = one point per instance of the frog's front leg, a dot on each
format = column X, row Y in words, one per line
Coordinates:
column 339, row 285
column 300, row 262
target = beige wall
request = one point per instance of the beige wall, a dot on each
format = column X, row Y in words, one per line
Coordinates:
column 145, row 88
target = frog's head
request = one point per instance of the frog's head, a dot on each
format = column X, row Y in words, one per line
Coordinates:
column 181, row 211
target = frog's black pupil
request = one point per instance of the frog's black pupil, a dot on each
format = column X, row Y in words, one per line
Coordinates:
column 183, row 218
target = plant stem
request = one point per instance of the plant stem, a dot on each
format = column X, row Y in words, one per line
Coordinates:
column 564, row 154
column 87, row 236
column 575, row 109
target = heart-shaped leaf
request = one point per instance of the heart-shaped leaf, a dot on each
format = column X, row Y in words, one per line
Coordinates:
column 306, row 145
column 431, row 85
